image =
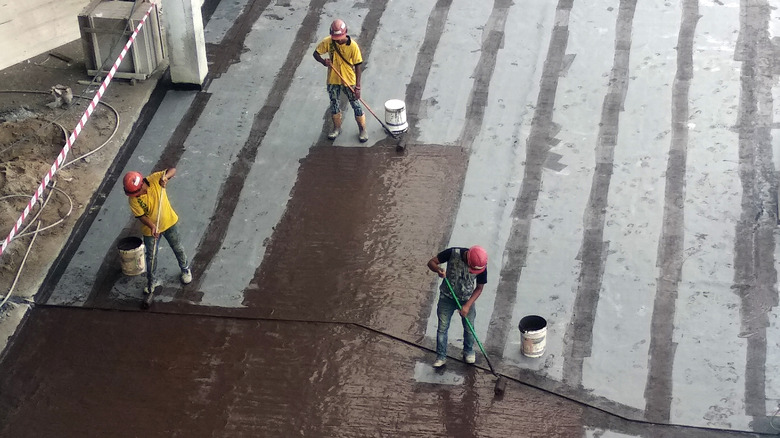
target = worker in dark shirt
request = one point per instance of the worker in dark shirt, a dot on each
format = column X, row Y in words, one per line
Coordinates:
column 467, row 274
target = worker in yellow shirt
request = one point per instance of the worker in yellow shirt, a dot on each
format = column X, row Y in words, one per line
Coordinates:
column 346, row 59
column 149, row 204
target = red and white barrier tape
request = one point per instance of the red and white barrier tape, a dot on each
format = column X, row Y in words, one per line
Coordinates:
column 76, row 131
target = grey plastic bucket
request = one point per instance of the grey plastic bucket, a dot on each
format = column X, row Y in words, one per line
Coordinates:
column 533, row 331
column 131, row 255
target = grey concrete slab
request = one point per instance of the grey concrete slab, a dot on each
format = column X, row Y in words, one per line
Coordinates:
column 601, row 433
column 424, row 373
column 558, row 224
column 708, row 318
column 453, row 66
column 390, row 66
column 616, row 368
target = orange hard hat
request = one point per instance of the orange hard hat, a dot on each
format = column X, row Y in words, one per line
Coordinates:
column 477, row 259
column 338, row 29
column 133, row 183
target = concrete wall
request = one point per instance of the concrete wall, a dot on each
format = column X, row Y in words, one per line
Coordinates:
column 31, row 27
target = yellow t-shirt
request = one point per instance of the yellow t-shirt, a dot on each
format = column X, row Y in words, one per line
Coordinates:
column 350, row 51
column 149, row 205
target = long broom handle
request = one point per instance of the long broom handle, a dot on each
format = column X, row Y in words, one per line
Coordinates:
column 471, row 327
column 362, row 101
column 157, row 226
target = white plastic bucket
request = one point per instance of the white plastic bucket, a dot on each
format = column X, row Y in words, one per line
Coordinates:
column 533, row 331
column 395, row 116
column 131, row 255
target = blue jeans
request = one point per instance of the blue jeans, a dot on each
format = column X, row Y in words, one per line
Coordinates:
column 174, row 240
column 444, row 311
column 334, row 91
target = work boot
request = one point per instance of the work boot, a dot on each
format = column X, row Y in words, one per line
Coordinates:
column 470, row 357
column 439, row 362
column 361, row 121
column 336, row 127
column 186, row 276
column 156, row 283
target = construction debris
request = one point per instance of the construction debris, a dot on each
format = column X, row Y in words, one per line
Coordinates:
column 62, row 96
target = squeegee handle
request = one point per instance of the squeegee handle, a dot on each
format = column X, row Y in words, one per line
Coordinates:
column 468, row 323
column 157, row 228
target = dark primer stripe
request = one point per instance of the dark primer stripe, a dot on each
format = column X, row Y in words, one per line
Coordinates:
column 231, row 188
column 229, row 50
column 537, row 146
column 755, row 274
column 175, row 147
column 658, row 389
column 491, row 42
column 422, row 67
column 376, row 8
column 593, row 252
column 208, row 8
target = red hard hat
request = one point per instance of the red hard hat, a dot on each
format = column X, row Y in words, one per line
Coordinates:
column 477, row 259
column 338, row 30
column 133, row 183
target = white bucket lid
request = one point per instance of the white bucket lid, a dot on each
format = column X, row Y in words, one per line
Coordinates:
column 394, row 105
